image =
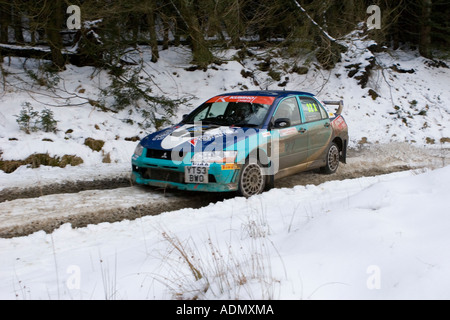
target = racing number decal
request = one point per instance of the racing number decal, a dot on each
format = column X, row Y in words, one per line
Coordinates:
column 312, row 107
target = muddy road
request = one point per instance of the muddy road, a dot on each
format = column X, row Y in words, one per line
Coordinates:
column 46, row 207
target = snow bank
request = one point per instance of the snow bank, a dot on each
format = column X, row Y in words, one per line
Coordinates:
column 383, row 237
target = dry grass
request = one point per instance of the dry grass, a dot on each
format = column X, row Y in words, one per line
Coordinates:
column 95, row 145
column 207, row 269
column 40, row 159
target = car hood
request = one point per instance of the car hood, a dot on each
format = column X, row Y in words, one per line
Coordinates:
column 189, row 136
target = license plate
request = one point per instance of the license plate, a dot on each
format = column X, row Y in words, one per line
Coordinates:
column 196, row 174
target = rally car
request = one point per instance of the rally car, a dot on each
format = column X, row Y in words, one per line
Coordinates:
column 243, row 142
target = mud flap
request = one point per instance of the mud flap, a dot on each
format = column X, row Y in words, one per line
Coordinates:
column 343, row 157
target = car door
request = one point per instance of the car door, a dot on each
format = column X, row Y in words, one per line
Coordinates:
column 293, row 140
column 318, row 125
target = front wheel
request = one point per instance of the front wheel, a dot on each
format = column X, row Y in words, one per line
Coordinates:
column 252, row 181
column 332, row 160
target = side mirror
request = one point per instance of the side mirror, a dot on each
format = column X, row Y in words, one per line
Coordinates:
column 185, row 116
column 282, row 123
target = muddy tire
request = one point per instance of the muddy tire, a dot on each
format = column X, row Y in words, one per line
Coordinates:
column 252, row 180
column 332, row 159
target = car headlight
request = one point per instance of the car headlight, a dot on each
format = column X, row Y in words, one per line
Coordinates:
column 215, row 157
column 139, row 150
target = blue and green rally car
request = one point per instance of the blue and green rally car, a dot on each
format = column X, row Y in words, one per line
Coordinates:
column 243, row 142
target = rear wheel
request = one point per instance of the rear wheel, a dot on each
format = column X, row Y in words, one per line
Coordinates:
column 332, row 159
column 252, row 180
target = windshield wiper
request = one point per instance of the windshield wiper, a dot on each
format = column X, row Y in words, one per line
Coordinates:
column 210, row 122
column 203, row 122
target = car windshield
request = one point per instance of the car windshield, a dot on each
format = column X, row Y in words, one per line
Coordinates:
column 239, row 114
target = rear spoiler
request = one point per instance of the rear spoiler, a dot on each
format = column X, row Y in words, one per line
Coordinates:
column 336, row 103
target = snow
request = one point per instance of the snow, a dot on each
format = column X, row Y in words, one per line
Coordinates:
column 382, row 237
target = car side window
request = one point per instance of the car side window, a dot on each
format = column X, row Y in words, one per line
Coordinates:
column 288, row 109
column 312, row 110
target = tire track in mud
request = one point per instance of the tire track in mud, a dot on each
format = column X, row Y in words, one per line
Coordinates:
column 96, row 215
column 362, row 163
column 65, row 187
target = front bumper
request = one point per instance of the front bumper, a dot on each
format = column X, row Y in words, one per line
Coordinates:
column 167, row 174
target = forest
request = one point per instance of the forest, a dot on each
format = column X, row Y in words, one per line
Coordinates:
column 107, row 29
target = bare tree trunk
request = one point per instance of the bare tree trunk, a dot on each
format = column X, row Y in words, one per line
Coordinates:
column 5, row 20
column 202, row 56
column 166, row 29
column 152, row 26
column 17, row 24
column 232, row 22
column 52, row 29
column 425, row 29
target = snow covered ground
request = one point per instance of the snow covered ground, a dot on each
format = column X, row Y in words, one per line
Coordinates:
column 384, row 237
column 381, row 237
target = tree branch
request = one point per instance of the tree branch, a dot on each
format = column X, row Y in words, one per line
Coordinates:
column 322, row 30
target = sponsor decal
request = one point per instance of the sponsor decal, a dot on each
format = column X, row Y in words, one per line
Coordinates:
column 244, row 99
column 162, row 135
column 339, row 124
column 193, row 142
column 201, row 164
column 288, row 132
column 230, row 166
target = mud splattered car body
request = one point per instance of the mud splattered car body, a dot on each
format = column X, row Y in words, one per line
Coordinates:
column 243, row 142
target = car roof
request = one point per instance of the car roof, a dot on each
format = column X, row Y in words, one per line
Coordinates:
column 269, row 93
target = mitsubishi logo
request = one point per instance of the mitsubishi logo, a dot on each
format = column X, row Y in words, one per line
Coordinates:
column 164, row 156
